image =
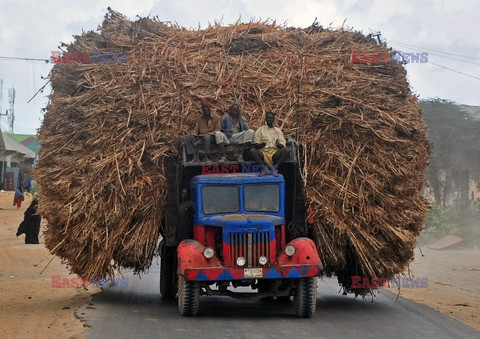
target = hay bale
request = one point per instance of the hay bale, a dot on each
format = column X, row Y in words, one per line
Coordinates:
column 109, row 129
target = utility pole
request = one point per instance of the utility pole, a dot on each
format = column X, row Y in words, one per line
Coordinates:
column 377, row 35
column 11, row 113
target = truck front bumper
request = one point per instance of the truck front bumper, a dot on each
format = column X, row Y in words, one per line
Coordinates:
column 277, row 272
column 195, row 267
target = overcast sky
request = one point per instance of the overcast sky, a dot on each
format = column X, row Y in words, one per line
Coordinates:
column 445, row 29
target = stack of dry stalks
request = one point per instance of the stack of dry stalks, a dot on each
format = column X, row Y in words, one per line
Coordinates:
column 110, row 127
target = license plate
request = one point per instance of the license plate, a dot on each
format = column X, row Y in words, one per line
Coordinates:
column 253, row 273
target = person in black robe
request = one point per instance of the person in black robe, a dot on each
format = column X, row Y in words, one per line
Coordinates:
column 30, row 226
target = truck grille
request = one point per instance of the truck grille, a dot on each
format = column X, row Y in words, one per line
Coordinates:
column 250, row 246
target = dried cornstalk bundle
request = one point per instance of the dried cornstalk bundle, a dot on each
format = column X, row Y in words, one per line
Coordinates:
column 110, row 127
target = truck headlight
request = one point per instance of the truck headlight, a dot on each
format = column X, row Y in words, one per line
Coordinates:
column 262, row 260
column 208, row 252
column 241, row 261
column 290, row 250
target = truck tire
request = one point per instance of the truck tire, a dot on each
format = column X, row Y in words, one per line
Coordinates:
column 306, row 298
column 188, row 297
column 168, row 275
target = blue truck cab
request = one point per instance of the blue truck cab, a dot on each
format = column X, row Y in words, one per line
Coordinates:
column 239, row 239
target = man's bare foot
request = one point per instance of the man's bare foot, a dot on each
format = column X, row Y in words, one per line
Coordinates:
column 274, row 172
column 194, row 160
column 264, row 172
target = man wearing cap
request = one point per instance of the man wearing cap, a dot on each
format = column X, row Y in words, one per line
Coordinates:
column 269, row 145
column 235, row 131
column 206, row 125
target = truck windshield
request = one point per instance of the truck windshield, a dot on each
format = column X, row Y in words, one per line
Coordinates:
column 264, row 198
column 220, row 199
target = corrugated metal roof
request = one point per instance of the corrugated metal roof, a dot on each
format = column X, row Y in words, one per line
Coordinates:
column 27, row 140
column 9, row 145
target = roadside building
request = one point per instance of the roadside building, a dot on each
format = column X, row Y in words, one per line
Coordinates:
column 16, row 161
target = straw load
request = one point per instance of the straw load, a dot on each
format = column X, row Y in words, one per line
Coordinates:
column 110, row 127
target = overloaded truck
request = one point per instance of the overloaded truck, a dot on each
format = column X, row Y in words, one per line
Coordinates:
column 249, row 230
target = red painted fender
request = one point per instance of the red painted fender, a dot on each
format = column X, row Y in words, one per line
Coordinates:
column 305, row 253
column 190, row 255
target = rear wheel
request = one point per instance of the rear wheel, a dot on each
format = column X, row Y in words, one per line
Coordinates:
column 188, row 297
column 306, row 298
column 168, row 274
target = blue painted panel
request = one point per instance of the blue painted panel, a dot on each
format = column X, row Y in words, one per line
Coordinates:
column 272, row 274
column 294, row 274
column 201, row 276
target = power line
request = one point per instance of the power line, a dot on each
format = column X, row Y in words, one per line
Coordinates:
column 442, row 56
column 434, row 50
column 453, row 70
column 28, row 59
column 441, row 66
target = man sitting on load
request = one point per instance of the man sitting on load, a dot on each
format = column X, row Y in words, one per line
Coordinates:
column 206, row 125
column 269, row 146
column 235, row 131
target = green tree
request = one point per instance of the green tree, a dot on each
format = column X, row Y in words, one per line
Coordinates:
column 436, row 224
column 455, row 138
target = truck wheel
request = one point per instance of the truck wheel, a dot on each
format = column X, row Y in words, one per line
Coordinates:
column 306, row 298
column 188, row 297
column 168, row 275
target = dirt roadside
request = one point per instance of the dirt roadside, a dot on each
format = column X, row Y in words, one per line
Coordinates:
column 453, row 276
column 31, row 308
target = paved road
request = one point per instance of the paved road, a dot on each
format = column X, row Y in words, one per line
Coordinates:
column 138, row 311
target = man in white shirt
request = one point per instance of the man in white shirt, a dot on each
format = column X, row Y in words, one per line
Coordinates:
column 269, row 145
